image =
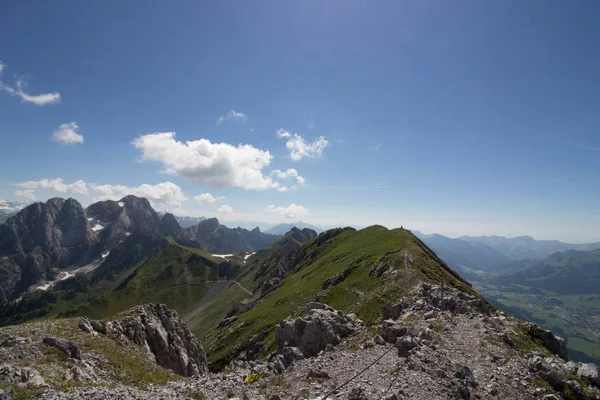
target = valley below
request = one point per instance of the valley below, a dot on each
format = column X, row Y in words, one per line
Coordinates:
column 574, row 317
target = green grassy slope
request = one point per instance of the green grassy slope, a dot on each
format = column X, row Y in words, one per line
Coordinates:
column 360, row 292
column 178, row 277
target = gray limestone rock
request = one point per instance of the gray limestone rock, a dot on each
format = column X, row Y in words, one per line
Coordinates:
column 322, row 325
column 164, row 337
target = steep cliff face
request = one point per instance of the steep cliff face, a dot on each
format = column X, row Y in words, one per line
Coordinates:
column 60, row 235
column 41, row 237
column 115, row 220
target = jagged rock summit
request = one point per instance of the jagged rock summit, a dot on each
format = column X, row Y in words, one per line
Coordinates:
column 211, row 236
column 163, row 336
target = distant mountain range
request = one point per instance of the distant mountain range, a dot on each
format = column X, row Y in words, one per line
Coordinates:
column 526, row 247
column 46, row 242
column 487, row 253
column 213, row 237
column 463, row 255
column 282, row 229
column 570, row 272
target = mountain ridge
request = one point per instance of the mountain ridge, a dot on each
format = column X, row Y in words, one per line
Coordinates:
column 45, row 239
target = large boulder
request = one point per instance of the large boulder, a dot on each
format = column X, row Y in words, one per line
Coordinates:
column 556, row 345
column 321, row 326
column 591, row 372
column 66, row 346
column 162, row 335
column 391, row 330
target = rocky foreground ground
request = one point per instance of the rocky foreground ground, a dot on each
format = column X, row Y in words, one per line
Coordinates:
column 437, row 344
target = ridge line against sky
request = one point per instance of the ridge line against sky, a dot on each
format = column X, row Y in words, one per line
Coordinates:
column 468, row 119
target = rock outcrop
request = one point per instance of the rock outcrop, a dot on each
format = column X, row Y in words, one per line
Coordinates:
column 24, row 376
column 66, row 346
column 165, row 338
column 556, row 345
column 322, row 326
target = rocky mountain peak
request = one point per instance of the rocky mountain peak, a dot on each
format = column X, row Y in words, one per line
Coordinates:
column 56, row 202
column 169, row 225
column 136, row 202
column 209, row 223
column 301, row 235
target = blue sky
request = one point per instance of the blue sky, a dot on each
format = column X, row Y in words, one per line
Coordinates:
column 462, row 117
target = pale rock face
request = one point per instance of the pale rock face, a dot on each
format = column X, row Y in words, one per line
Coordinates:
column 165, row 338
column 591, row 372
column 323, row 325
column 21, row 375
column 40, row 237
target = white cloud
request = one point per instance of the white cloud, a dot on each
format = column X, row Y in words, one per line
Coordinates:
column 67, row 134
column 162, row 196
column 225, row 209
column 206, row 163
column 291, row 173
column 232, row 115
column 282, row 189
column 299, row 148
column 38, row 100
column 207, row 198
column 28, row 194
column 58, row 185
column 291, row 211
column 283, row 133
column 1, row 67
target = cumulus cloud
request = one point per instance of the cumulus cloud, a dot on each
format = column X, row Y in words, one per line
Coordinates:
column 58, row 185
column 67, row 134
column 206, row 163
column 225, row 209
column 291, row 173
column 207, row 198
column 163, row 196
column 28, row 194
column 18, row 91
column 291, row 211
column 232, row 115
column 300, row 148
